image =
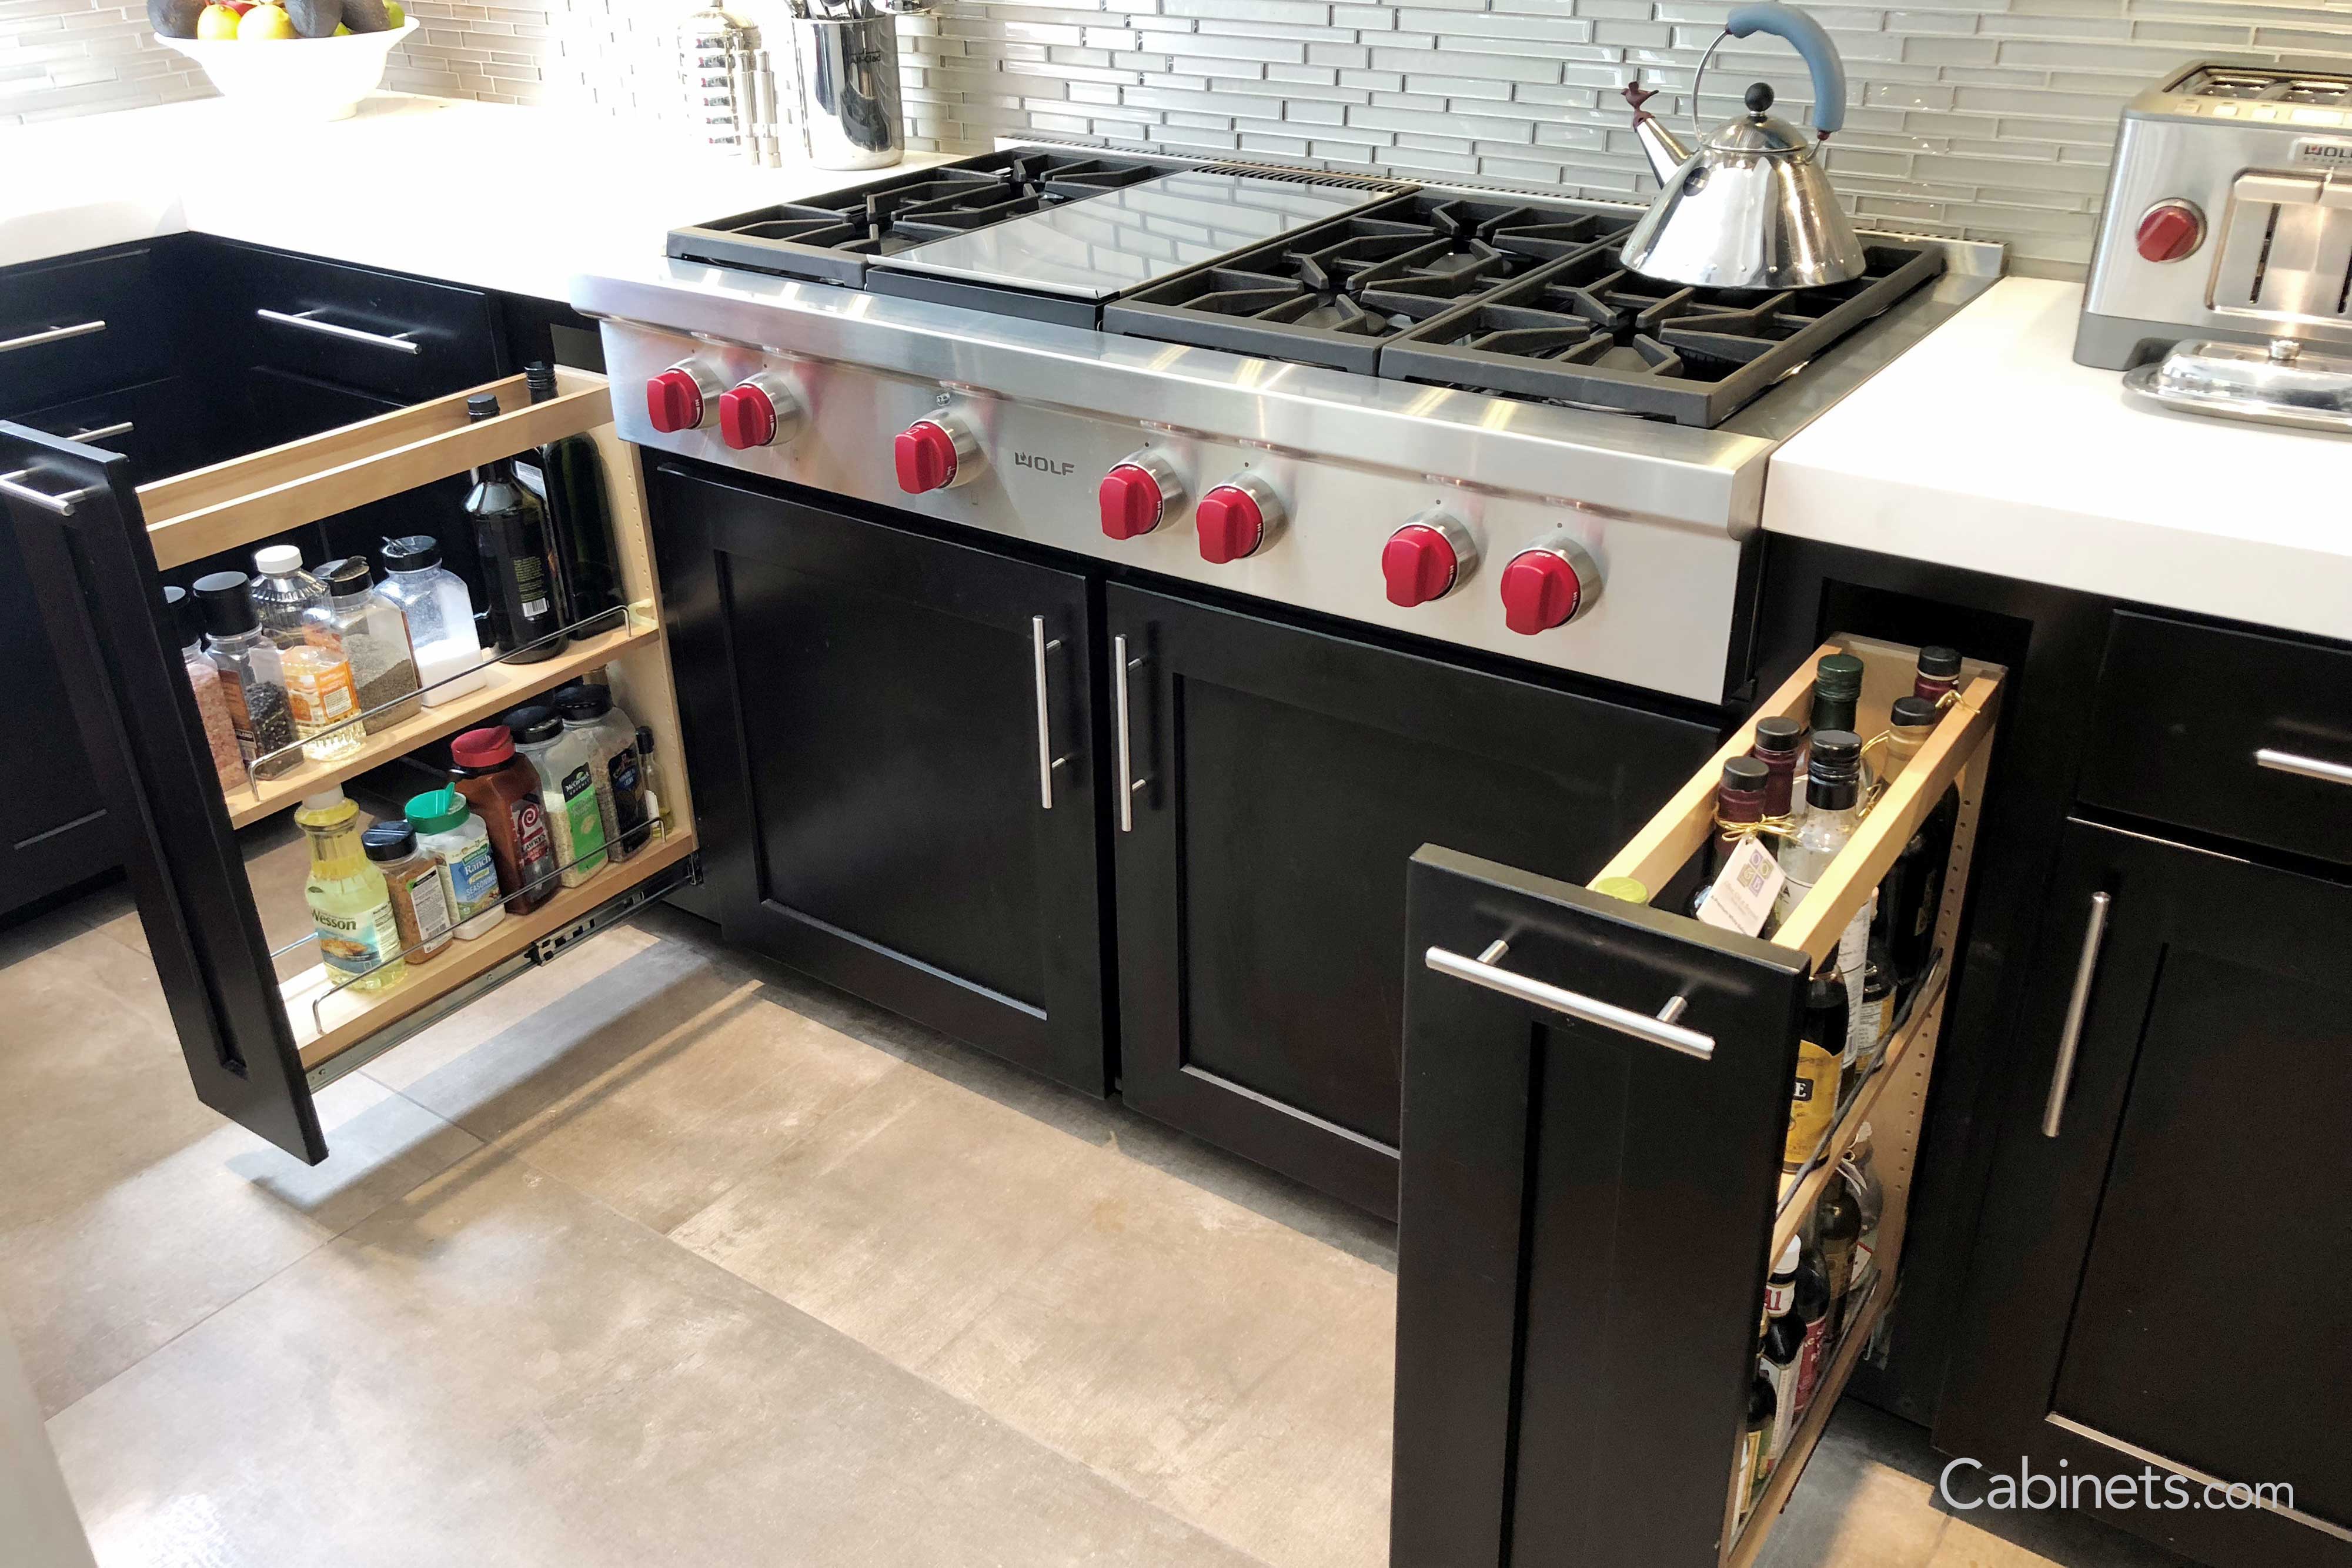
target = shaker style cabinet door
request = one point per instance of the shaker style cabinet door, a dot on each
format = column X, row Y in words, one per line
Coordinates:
column 1277, row 781
column 2166, row 1249
column 894, row 733
column 76, row 523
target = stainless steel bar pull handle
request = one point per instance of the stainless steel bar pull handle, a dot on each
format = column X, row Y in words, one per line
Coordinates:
column 101, row 432
column 50, row 335
column 1656, row 1029
column 2304, row 767
column 1121, row 710
column 1039, row 646
column 2078, row 1007
column 308, row 321
column 61, row 504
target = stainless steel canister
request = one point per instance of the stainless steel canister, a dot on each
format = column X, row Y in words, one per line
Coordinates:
column 846, row 92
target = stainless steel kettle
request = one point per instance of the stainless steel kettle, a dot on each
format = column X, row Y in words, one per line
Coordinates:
column 1752, row 207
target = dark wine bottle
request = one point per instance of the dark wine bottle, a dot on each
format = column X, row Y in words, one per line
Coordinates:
column 567, row 476
column 526, row 598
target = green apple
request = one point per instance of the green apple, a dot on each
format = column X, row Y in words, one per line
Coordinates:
column 397, row 12
column 266, row 23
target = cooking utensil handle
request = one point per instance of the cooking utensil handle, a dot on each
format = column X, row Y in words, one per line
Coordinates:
column 1810, row 39
column 2078, row 1007
column 1658, row 1030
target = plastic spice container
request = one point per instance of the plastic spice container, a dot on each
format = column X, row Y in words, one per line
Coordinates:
column 373, row 636
column 212, row 703
column 502, row 789
column 252, row 673
column 567, row 782
column 448, row 826
column 422, row 904
column 440, row 614
column 588, row 710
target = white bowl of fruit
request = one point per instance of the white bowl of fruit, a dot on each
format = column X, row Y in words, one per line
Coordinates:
column 296, row 59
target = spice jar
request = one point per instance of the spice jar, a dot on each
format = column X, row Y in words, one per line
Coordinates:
column 373, row 637
column 567, row 783
column 440, row 614
column 502, row 789
column 588, row 710
column 449, row 828
column 252, row 675
column 212, row 703
column 421, row 900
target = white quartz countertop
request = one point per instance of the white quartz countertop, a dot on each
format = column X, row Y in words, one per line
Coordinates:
column 1987, row 447
column 512, row 199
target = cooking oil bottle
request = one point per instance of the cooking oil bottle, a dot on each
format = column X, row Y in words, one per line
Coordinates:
column 358, row 937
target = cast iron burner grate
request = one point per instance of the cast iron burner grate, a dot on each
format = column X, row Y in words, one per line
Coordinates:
column 1331, row 295
column 1587, row 333
column 829, row 238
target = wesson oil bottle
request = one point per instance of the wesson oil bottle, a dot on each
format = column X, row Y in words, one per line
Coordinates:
column 359, row 938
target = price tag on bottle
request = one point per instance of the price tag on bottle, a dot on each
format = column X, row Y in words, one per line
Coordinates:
column 1742, row 896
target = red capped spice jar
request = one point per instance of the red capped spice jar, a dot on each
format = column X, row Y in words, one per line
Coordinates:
column 503, row 791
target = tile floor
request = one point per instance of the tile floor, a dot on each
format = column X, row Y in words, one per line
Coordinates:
column 660, row 1254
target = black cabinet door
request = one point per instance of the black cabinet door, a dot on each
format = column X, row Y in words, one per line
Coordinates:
column 1286, row 775
column 1584, row 1221
column 73, row 515
column 864, row 735
column 2165, row 1255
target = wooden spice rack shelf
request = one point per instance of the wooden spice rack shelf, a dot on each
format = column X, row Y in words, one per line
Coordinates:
column 504, row 686
column 347, row 1018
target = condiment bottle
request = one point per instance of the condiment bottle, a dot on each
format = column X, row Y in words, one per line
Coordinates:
column 1939, row 673
column 1784, row 1344
column 440, row 615
column 373, row 637
column 448, row 826
column 252, row 673
column 1740, row 798
column 421, row 897
column 1778, row 742
column 656, row 784
column 567, row 783
column 589, row 711
column 1837, row 690
column 511, row 532
column 283, row 592
column 359, row 937
column 1812, row 1098
column 211, row 702
column 503, row 791
column 567, row 476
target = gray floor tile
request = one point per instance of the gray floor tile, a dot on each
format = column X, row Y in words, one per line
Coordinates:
column 499, row 1369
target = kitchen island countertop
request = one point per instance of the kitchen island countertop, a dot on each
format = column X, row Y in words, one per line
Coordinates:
column 491, row 195
column 1987, row 447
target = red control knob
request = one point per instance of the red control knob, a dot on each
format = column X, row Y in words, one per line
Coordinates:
column 2169, row 230
column 1131, row 501
column 1235, row 520
column 1547, row 584
column 747, row 417
column 673, row 401
column 1419, row 564
column 925, row 457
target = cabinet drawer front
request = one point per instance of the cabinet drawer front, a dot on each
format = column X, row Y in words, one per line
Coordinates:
column 398, row 338
column 81, row 324
column 2232, row 733
column 157, row 424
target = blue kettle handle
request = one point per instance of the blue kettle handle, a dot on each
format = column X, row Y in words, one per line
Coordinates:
column 1810, row 40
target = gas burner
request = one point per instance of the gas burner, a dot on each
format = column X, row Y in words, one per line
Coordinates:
column 828, row 239
column 1328, row 296
column 1587, row 333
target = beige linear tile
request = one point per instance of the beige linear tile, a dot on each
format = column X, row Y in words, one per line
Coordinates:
column 499, row 1369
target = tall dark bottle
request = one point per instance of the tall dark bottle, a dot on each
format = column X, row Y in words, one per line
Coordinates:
column 567, row 479
column 526, row 597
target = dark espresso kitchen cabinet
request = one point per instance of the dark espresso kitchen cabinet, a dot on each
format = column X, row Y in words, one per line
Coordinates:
column 2165, row 1248
column 1278, row 780
column 883, row 808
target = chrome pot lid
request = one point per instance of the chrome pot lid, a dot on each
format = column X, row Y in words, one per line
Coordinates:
column 2283, row 383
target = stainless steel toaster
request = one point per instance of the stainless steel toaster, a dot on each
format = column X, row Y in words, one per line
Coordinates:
column 2228, row 218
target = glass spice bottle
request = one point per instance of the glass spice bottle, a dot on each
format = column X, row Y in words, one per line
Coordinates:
column 204, row 680
column 252, row 673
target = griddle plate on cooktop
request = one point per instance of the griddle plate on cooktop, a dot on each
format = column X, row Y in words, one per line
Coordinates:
column 1587, row 333
column 829, row 238
column 1330, row 295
